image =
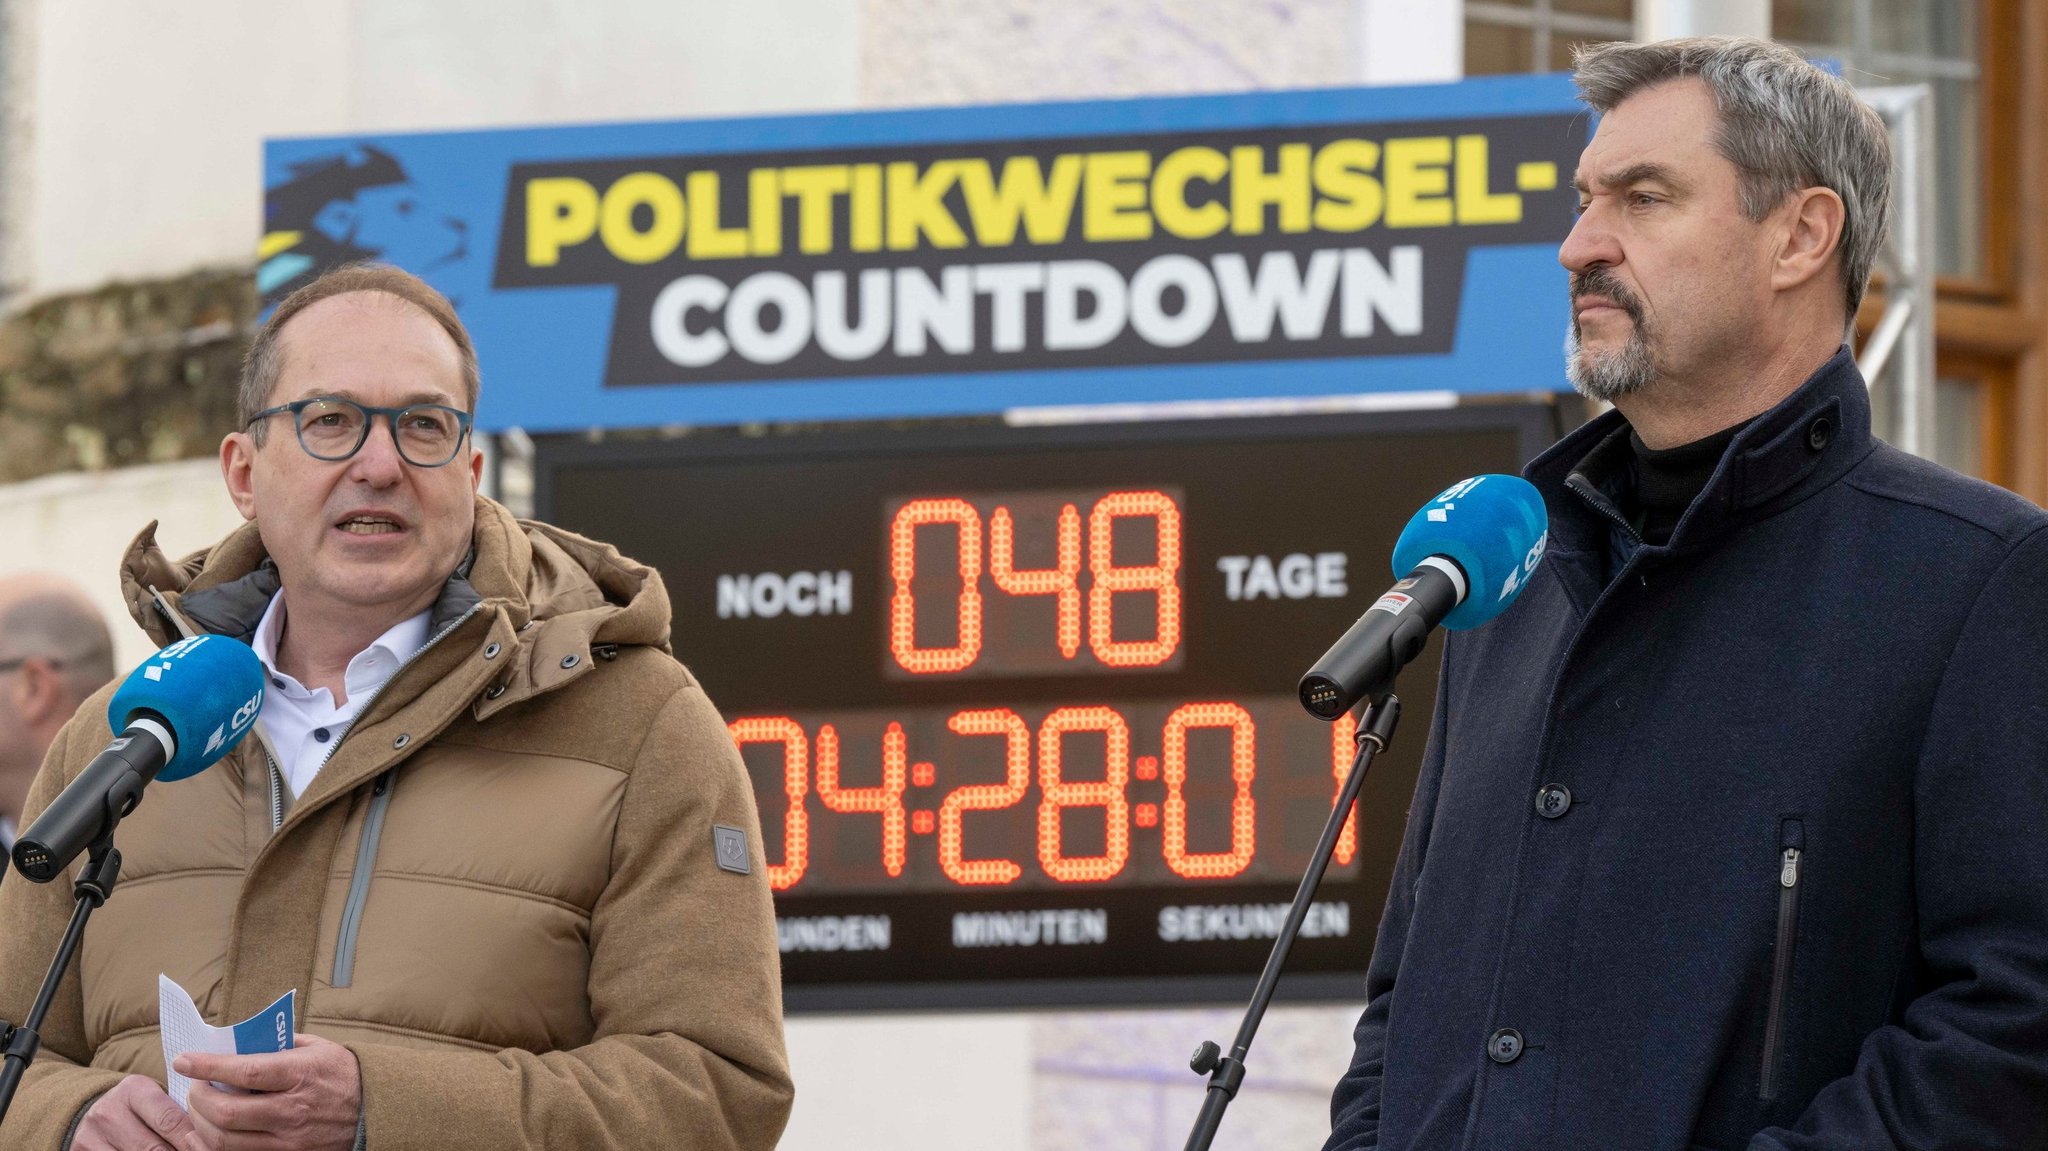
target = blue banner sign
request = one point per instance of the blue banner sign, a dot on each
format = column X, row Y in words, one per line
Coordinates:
column 970, row 260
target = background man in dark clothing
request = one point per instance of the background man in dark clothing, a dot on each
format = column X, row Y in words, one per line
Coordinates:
column 1729, row 834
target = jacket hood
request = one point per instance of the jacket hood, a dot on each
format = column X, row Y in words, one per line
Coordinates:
column 554, row 594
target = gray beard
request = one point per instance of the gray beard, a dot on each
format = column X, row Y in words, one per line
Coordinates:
column 1609, row 376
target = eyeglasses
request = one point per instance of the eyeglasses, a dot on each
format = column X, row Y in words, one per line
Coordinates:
column 7, row 665
column 334, row 429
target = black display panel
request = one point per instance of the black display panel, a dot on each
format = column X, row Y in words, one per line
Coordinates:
column 1018, row 702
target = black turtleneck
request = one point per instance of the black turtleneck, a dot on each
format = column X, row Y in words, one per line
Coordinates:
column 1668, row 480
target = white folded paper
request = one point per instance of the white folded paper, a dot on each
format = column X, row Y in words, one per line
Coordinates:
column 184, row 1029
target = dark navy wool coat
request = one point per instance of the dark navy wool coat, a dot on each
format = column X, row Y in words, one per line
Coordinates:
column 1745, row 846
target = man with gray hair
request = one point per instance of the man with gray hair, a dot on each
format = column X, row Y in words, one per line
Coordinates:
column 54, row 652
column 1729, row 835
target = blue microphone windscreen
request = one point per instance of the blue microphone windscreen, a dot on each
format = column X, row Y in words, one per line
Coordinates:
column 1494, row 526
column 207, row 688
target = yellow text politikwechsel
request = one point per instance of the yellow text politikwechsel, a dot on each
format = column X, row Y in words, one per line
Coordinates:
column 1194, row 193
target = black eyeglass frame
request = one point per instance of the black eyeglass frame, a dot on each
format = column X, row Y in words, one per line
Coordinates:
column 297, row 408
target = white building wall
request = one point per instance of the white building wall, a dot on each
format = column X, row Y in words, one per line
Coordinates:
column 145, row 124
column 79, row 524
column 146, row 117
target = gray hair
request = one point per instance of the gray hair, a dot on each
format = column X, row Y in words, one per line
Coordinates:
column 1784, row 124
column 53, row 623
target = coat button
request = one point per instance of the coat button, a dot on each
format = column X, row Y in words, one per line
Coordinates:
column 1505, row 1046
column 402, row 740
column 491, row 651
column 569, row 661
column 1819, row 433
column 1553, row 800
column 497, row 689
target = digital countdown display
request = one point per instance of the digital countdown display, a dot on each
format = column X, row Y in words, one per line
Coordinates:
column 1018, row 703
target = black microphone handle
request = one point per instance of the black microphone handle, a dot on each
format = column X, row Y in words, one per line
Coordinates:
column 109, row 788
column 1365, row 660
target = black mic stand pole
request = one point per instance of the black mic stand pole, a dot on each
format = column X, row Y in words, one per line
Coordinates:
column 18, row 1045
column 1226, row 1072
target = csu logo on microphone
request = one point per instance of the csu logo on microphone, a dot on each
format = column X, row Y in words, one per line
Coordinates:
column 1528, row 568
column 154, row 670
column 237, row 723
column 1439, row 509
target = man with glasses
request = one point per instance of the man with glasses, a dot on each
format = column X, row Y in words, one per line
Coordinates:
column 54, row 652
column 494, row 835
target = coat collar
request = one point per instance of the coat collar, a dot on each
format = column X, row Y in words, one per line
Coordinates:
column 545, row 596
column 235, row 608
column 1811, row 439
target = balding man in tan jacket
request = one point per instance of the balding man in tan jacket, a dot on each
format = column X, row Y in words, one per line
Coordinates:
column 496, row 836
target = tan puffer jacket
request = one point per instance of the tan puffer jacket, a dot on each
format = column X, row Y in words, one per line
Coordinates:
column 500, row 891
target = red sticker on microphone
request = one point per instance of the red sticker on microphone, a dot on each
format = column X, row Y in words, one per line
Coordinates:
column 1393, row 603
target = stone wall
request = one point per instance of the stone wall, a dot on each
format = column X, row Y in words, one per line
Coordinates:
column 128, row 374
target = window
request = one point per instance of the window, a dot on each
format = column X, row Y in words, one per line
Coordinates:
column 1504, row 36
column 1936, row 42
column 1959, row 423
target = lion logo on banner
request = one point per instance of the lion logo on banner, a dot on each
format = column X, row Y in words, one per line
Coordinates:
column 357, row 204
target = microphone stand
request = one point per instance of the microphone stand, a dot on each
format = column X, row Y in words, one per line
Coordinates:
column 1226, row 1072
column 18, row 1045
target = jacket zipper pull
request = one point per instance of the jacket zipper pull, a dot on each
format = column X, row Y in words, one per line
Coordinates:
column 1788, row 876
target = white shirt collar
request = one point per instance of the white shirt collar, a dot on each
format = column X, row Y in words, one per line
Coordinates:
column 367, row 672
column 304, row 724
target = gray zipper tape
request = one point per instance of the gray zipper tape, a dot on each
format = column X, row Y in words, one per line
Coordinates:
column 359, row 883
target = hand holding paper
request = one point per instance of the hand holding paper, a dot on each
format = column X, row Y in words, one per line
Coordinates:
column 139, row 1113
column 259, row 1077
column 310, row 1097
column 136, row 1113
column 184, row 1029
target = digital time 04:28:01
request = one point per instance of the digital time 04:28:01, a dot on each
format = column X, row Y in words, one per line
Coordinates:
column 1017, row 702
column 1033, row 584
